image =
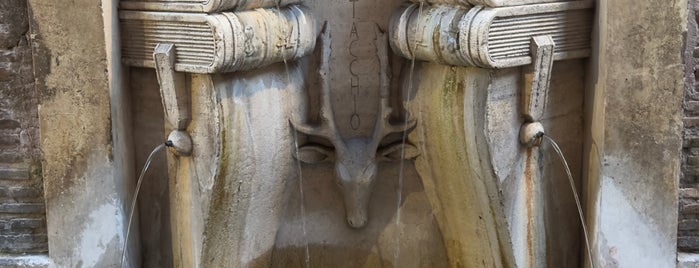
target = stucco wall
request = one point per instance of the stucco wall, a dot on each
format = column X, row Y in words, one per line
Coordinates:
column 85, row 179
column 635, row 126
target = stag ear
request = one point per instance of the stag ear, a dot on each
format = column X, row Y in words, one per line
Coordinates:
column 314, row 154
column 394, row 151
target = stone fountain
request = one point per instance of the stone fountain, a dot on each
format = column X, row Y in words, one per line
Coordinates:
column 349, row 133
column 365, row 133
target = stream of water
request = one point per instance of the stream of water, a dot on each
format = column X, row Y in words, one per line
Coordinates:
column 407, row 101
column 283, row 43
column 307, row 259
column 575, row 195
column 134, row 198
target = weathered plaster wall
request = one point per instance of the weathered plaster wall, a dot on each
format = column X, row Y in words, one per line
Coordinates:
column 82, row 169
column 634, row 123
column 22, row 211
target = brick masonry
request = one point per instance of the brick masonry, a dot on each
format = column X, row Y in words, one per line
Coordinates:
column 22, row 209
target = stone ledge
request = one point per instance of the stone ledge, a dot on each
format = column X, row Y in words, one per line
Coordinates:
column 691, row 108
column 9, row 173
column 691, row 121
column 687, row 260
column 689, row 193
column 33, row 261
column 33, row 208
column 684, row 224
column 24, row 223
column 687, row 243
column 11, row 156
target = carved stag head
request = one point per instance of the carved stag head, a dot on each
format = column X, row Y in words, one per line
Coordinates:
column 356, row 159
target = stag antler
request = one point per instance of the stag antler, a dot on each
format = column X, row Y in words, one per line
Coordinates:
column 383, row 126
column 327, row 128
column 356, row 157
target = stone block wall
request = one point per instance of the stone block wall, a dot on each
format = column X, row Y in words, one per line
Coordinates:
column 22, row 209
column 688, row 227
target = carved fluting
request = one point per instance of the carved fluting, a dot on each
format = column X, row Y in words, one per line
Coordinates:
column 490, row 37
column 203, row 5
column 224, row 42
column 489, row 3
column 446, row 2
column 502, row 3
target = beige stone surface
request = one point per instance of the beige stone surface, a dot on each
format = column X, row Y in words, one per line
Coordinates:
column 227, row 199
column 474, row 169
column 449, row 105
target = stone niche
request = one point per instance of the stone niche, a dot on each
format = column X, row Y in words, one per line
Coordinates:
column 254, row 81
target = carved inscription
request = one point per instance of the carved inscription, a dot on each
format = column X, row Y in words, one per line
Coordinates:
column 354, row 76
column 355, row 120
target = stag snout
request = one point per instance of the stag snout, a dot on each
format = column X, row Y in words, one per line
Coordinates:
column 356, row 184
column 357, row 216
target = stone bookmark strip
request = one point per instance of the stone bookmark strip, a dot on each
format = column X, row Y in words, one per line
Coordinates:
column 489, row 3
column 14, row 173
column 207, row 6
column 445, row 2
column 502, row 3
column 22, row 208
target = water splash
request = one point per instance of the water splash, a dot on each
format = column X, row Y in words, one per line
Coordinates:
column 407, row 101
column 575, row 195
column 135, row 197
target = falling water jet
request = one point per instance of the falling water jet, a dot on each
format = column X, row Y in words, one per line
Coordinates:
column 575, row 195
column 399, row 192
column 281, row 46
column 135, row 197
column 303, row 207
